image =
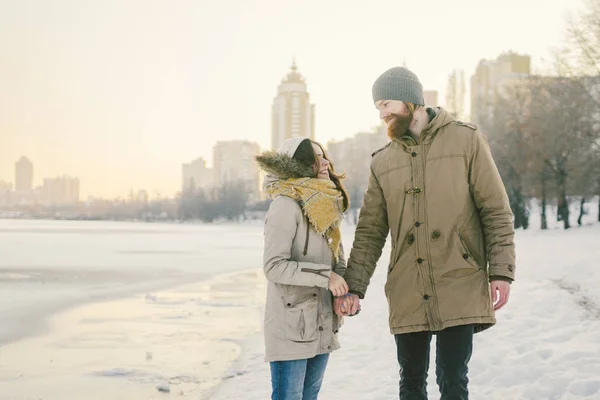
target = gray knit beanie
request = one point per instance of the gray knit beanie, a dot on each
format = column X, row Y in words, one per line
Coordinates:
column 398, row 83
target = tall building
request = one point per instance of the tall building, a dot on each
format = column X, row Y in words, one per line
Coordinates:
column 352, row 156
column 292, row 114
column 455, row 94
column 23, row 175
column 195, row 175
column 431, row 98
column 233, row 161
column 5, row 192
column 61, row 190
column 490, row 77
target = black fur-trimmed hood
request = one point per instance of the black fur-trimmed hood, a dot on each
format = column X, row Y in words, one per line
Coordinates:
column 283, row 166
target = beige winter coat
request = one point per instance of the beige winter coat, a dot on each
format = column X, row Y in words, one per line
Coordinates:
column 451, row 228
column 299, row 318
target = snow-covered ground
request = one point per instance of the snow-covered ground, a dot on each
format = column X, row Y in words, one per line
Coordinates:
column 546, row 345
column 124, row 310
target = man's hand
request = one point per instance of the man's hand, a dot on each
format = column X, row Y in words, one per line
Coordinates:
column 500, row 293
column 347, row 305
column 337, row 285
column 337, row 305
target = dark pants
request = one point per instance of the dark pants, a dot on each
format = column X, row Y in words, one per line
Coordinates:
column 298, row 379
column 453, row 352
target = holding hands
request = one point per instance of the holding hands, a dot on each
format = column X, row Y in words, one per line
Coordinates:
column 346, row 305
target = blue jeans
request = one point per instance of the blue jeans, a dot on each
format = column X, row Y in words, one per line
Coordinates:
column 298, row 379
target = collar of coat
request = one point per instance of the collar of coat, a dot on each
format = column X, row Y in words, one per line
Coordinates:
column 438, row 118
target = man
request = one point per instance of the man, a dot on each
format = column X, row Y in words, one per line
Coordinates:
column 436, row 189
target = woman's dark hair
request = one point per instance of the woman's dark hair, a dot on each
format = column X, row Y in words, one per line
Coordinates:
column 306, row 155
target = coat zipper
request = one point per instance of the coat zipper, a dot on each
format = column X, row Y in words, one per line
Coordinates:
column 307, row 232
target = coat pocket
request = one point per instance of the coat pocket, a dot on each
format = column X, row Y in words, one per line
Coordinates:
column 300, row 319
column 467, row 253
column 409, row 239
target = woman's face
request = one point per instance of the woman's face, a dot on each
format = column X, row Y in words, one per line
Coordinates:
column 321, row 165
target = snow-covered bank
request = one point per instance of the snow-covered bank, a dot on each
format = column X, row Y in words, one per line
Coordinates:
column 180, row 341
column 546, row 345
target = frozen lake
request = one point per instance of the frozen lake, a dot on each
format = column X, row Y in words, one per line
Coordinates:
column 48, row 265
column 109, row 310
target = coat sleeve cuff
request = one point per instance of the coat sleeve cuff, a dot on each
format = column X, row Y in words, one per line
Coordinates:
column 357, row 289
column 503, row 270
column 500, row 278
column 359, row 294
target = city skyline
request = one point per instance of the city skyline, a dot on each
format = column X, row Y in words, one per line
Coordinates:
column 199, row 174
column 56, row 190
column 123, row 108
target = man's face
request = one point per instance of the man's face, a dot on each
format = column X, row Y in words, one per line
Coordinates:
column 389, row 108
column 396, row 115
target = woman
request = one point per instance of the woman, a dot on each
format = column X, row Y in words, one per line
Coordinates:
column 304, row 264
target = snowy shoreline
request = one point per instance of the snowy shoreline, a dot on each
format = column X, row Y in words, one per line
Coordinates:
column 545, row 345
column 182, row 340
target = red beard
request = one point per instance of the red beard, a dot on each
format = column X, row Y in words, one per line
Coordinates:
column 398, row 125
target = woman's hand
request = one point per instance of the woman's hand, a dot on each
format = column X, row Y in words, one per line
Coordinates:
column 337, row 285
column 348, row 305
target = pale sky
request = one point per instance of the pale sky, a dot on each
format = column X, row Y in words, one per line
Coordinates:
column 120, row 93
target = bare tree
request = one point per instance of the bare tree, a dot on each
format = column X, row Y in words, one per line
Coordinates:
column 544, row 185
column 589, row 183
column 580, row 55
column 545, row 137
column 227, row 201
column 562, row 114
column 232, row 199
column 509, row 141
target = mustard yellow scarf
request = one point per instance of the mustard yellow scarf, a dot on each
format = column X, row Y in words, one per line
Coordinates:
column 321, row 202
